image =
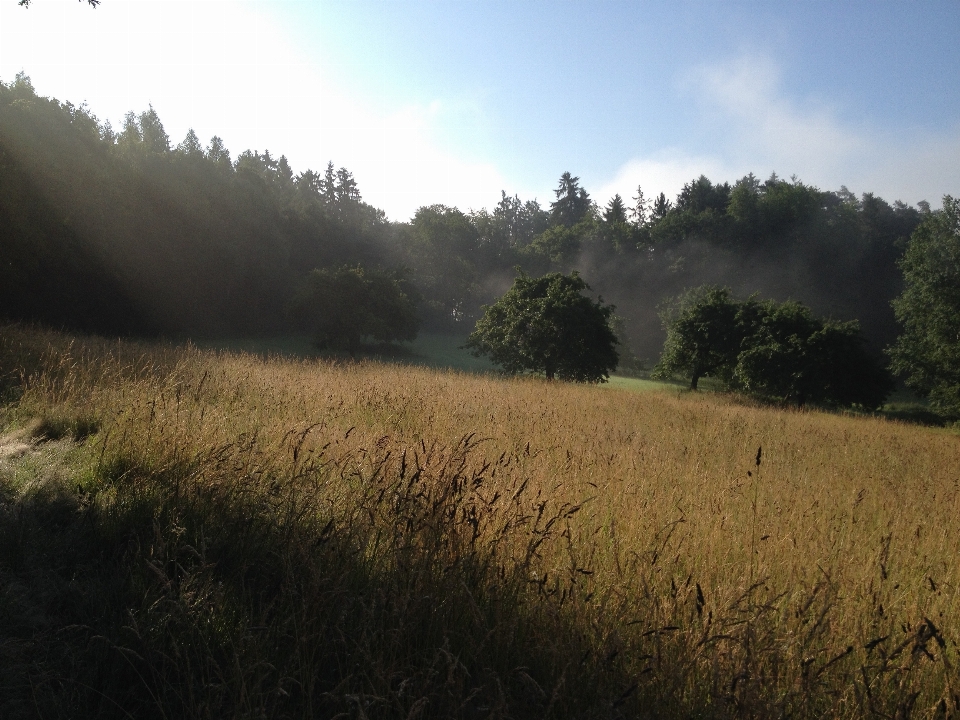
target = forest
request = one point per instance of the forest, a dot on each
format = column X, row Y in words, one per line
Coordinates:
column 126, row 231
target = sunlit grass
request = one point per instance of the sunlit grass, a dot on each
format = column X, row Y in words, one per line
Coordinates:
column 301, row 538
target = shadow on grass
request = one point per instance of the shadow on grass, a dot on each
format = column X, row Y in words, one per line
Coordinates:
column 916, row 414
column 396, row 585
column 429, row 349
column 188, row 591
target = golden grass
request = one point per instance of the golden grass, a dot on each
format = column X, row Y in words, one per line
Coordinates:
column 685, row 573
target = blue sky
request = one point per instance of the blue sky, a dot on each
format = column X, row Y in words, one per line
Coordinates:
column 454, row 101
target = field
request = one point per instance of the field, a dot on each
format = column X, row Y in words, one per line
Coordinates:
column 202, row 534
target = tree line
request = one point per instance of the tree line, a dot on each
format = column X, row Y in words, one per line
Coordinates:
column 125, row 231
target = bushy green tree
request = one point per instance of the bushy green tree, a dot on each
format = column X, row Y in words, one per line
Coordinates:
column 794, row 357
column 779, row 352
column 344, row 306
column 443, row 247
column 547, row 325
column 927, row 353
column 705, row 329
column 559, row 244
column 519, row 222
column 700, row 195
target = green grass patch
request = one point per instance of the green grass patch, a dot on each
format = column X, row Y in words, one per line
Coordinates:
column 446, row 351
column 916, row 413
column 640, row 384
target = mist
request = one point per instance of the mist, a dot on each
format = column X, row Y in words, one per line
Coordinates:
column 129, row 231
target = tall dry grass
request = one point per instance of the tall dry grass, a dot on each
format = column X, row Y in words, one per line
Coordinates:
column 271, row 538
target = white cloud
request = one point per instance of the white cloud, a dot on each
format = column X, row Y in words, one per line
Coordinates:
column 228, row 68
column 761, row 130
column 745, row 96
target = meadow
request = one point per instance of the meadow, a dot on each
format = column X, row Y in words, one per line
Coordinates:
column 202, row 534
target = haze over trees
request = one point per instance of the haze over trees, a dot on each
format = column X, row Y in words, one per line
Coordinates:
column 129, row 231
column 123, row 231
column 343, row 307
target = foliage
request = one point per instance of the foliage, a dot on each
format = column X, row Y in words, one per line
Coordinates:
column 705, row 331
column 776, row 351
column 661, row 208
column 615, row 211
column 519, row 221
column 443, row 249
column 618, row 232
column 341, row 307
column 794, row 357
column 546, row 325
column 927, row 354
column 701, row 195
column 640, row 211
column 559, row 244
column 191, row 241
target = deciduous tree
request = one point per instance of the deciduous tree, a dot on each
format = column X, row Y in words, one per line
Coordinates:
column 444, row 246
column 705, row 329
column 927, row 353
column 775, row 351
column 547, row 325
column 794, row 357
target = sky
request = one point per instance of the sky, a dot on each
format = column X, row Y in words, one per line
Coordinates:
column 454, row 101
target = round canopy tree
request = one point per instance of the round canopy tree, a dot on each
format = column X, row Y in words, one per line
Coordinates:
column 547, row 325
column 795, row 357
column 705, row 329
